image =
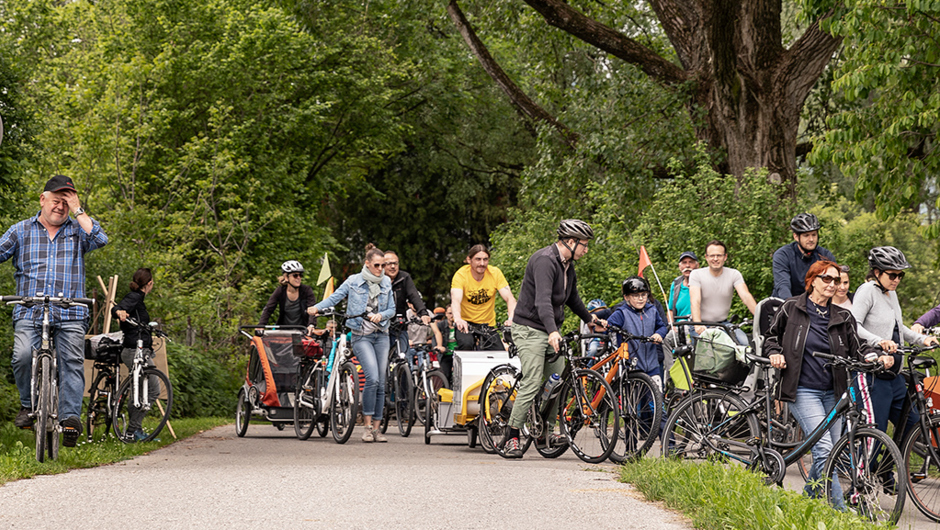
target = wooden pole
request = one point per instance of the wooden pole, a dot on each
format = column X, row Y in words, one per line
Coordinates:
column 168, row 425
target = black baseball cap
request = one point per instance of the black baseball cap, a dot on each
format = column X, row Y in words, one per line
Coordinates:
column 688, row 254
column 59, row 183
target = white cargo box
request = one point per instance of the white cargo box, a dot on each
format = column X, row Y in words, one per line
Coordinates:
column 470, row 369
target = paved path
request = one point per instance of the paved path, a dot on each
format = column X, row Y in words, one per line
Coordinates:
column 269, row 479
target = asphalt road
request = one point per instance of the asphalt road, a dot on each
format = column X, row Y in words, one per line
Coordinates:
column 269, row 479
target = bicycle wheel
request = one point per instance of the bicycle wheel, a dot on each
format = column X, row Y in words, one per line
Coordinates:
column 876, row 465
column 41, row 404
column 641, row 415
column 404, row 396
column 389, row 404
column 589, row 415
column 242, row 413
column 52, row 435
column 437, row 381
column 98, row 413
column 709, row 424
column 787, row 435
column 305, row 413
column 496, row 398
column 922, row 463
column 544, row 432
column 323, row 427
column 344, row 403
column 152, row 416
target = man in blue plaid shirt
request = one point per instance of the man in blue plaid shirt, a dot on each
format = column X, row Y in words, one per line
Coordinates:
column 48, row 252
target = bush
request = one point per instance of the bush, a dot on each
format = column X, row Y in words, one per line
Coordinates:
column 203, row 385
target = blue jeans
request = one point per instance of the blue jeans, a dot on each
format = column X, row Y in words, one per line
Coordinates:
column 887, row 400
column 69, row 340
column 810, row 409
column 372, row 352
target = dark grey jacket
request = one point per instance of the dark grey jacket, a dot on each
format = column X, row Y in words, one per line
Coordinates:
column 404, row 290
column 544, row 295
column 279, row 298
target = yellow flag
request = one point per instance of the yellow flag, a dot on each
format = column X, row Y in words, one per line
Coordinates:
column 324, row 270
column 328, row 290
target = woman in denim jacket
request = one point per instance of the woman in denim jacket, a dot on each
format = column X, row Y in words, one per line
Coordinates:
column 368, row 292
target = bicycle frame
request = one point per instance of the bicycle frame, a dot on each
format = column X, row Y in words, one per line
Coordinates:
column 917, row 400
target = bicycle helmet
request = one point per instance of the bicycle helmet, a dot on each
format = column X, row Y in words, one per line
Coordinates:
column 804, row 222
column 595, row 305
column 635, row 284
column 290, row 266
column 575, row 228
column 887, row 259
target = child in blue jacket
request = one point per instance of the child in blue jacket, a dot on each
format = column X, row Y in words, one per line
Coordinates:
column 638, row 316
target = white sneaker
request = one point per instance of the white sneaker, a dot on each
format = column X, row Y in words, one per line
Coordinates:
column 378, row 436
column 367, row 436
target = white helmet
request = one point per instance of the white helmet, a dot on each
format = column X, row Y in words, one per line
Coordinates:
column 290, row 266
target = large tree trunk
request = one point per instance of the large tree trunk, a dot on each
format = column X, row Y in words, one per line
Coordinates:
column 751, row 87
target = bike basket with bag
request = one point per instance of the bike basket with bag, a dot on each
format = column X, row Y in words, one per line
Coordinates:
column 718, row 357
column 104, row 348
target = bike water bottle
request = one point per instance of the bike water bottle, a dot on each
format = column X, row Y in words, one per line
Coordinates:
column 551, row 384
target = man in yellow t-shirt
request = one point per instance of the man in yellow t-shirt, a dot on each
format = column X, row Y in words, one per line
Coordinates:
column 473, row 299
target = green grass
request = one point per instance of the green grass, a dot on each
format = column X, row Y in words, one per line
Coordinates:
column 18, row 458
column 721, row 497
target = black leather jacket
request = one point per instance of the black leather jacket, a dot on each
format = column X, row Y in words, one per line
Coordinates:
column 787, row 336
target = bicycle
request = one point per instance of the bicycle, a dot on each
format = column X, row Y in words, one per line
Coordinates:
column 426, row 380
column 717, row 424
column 326, row 389
column 639, row 399
column 399, row 385
column 921, row 460
column 44, row 381
column 587, row 410
column 106, row 377
column 135, row 417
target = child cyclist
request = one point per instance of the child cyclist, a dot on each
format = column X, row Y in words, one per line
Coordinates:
column 638, row 316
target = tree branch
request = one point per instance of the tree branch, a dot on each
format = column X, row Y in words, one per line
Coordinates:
column 806, row 59
column 519, row 99
column 564, row 17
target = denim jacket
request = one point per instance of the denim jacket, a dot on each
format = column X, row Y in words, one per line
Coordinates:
column 356, row 290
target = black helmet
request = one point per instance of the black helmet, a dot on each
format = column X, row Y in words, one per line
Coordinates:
column 290, row 266
column 887, row 259
column 635, row 284
column 804, row 222
column 575, row 228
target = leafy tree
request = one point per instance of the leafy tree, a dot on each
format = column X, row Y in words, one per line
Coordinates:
column 744, row 89
column 887, row 140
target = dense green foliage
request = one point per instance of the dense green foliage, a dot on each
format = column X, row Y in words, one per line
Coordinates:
column 887, row 137
column 201, row 385
column 719, row 497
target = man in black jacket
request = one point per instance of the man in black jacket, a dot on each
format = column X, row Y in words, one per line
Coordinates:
column 549, row 284
column 404, row 291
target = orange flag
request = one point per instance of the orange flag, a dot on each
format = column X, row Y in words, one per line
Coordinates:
column 644, row 260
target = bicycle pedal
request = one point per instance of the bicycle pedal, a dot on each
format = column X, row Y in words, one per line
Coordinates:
column 918, row 476
column 753, row 441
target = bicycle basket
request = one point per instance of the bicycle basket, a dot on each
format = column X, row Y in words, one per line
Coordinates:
column 718, row 357
column 103, row 349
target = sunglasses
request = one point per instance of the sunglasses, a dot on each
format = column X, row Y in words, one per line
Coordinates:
column 378, row 265
column 895, row 275
column 826, row 279
column 296, row 275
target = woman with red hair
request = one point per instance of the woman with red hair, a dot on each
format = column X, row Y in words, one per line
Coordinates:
column 805, row 324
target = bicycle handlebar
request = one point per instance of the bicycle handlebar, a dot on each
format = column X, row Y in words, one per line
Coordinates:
column 152, row 326
column 619, row 330
column 32, row 301
column 851, row 364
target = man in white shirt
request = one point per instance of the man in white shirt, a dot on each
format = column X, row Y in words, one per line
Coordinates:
column 711, row 289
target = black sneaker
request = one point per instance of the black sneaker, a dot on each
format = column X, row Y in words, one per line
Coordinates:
column 23, row 419
column 71, row 430
column 511, row 449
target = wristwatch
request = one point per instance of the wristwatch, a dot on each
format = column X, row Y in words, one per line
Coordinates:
column 79, row 211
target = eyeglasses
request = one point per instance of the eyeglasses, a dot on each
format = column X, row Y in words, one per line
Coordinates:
column 297, row 275
column 378, row 265
column 714, row 255
column 826, row 279
column 895, row 275
column 639, row 295
column 391, row 263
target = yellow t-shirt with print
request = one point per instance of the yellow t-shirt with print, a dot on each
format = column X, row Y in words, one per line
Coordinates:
column 479, row 298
